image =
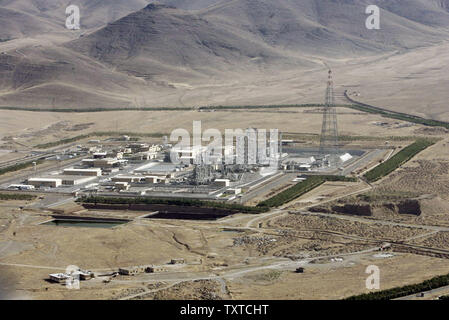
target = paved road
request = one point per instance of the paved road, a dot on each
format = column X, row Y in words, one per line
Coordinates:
column 266, row 187
column 432, row 294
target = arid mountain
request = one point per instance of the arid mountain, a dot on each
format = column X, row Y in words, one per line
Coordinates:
column 161, row 40
column 333, row 28
column 94, row 13
column 16, row 25
column 190, row 4
column 129, row 53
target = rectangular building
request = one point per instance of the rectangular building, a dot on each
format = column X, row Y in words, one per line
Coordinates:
column 129, row 179
column 222, row 182
column 45, row 182
column 94, row 172
column 75, row 180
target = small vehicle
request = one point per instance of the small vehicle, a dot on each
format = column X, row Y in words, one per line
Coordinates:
column 299, row 270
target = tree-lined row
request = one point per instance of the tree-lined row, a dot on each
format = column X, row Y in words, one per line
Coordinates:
column 98, row 134
column 174, row 202
column 436, row 282
column 398, row 159
column 301, row 188
column 19, row 166
column 396, row 115
column 16, row 196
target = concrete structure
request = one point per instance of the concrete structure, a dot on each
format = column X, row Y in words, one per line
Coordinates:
column 129, row 179
column 59, row 277
column 100, row 155
column 88, row 162
column 45, row 182
column 178, row 261
column 305, row 167
column 222, row 182
column 121, row 185
column 234, row 191
column 131, row 271
column 21, row 187
column 156, row 179
column 154, row 269
column 345, row 157
column 308, row 160
column 141, row 147
column 110, row 170
column 94, row 172
column 106, row 163
column 74, row 180
column 188, row 154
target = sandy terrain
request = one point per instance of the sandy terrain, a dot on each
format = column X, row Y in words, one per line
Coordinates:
column 32, row 128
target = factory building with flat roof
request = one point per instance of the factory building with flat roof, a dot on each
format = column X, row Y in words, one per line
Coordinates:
column 45, row 182
column 129, row 179
column 94, row 172
column 74, row 180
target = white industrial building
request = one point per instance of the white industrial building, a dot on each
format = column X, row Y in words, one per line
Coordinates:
column 21, row 187
column 121, row 185
column 345, row 157
column 234, row 191
column 129, row 179
column 307, row 160
column 156, row 179
column 222, row 182
column 45, row 182
column 94, row 172
column 75, row 180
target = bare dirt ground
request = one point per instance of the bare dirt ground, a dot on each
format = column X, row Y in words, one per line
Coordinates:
column 33, row 128
column 241, row 256
column 331, row 282
column 424, row 180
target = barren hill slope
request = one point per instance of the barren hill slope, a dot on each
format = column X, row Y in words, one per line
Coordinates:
column 217, row 52
column 15, row 24
column 334, row 28
column 160, row 39
column 94, row 13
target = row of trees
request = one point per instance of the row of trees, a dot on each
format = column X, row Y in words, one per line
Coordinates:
column 16, row 196
column 85, row 110
column 436, row 282
column 177, row 202
column 97, row 134
column 396, row 115
column 299, row 189
column 398, row 159
column 19, row 166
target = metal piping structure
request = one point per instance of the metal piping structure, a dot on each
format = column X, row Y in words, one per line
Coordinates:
column 329, row 133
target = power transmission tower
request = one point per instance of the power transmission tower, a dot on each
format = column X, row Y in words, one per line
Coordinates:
column 329, row 131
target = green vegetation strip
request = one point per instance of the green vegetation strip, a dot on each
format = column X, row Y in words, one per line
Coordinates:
column 177, row 202
column 434, row 283
column 398, row 159
column 18, row 167
column 90, row 110
column 16, row 196
column 97, row 134
column 274, row 106
column 396, row 115
column 299, row 189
